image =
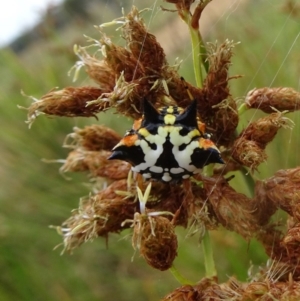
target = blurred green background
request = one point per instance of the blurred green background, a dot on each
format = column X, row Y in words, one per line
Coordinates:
column 34, row 195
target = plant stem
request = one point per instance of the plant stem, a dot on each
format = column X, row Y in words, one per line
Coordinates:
column 196, row 48
column 248, row 180
column 179, row 277
column 198, row 61
column 242, row 109
column 209, row 263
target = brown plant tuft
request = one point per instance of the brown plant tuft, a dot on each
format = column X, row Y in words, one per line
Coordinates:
column 233, row 210
column 96, row 163
column 93, row 138
column 156, row 240
column 266, row 99
column 68, row 102
column 282, row 190
column 98, row 215
column 248, row 148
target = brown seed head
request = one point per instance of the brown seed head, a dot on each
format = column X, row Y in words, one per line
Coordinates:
column 68, row 102
column 216, row 82
column 93, row 138
column 233, row 210
column 97, row 69
column 96, row 163
column 98, row 215
column 143, row 45
column 283, row 190
column 265, row 206
column 248, row 153
column 225, row 122
column 154, row 236
column 184, row 293
column 264, row 129
column 265, row 99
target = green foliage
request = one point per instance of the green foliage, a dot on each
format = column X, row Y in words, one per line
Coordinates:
column 33, row 195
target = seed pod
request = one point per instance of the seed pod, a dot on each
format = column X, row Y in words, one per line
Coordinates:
column 154, row 236
column 265, row 99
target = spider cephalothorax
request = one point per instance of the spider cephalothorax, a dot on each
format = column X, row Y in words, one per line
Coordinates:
column 168, row 144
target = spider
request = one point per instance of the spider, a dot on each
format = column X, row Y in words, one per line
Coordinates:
column 167, row 144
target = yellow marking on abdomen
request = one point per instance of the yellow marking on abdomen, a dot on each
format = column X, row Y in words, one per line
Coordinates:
column 169, row 119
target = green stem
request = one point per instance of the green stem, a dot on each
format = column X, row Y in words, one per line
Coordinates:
column 182, row 280
column 196, row 48
column 248, row 180
column 209, row 263
column 242, row 109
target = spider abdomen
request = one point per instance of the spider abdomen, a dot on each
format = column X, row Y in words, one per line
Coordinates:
column 167, row 145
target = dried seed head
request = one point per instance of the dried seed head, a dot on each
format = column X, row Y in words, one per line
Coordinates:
column 248, row 148
column 98, row 215
column 143, row 45
column 226, row 121
column 286, row 257
column 96, row 163
column 265, row 99
column 93, row 138
column 200, row 212
column 68, row 102
column 248, row 153
column 154, row 236
column 178, row 89
column 254, row 290
column 216, row 82
column 121, row 60
column 233, row 210
column 97, row 69
column 264, row 129
column 265, row 207
column 184, row 293
column 283, row 190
